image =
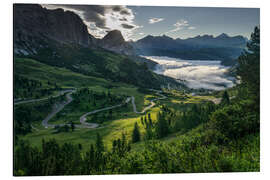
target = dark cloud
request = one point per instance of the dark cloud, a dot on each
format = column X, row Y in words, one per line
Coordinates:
column 94, row 13
column 101, row 19
column 116, row 8
column 127, row 26
column 125, row 12
column 122, row 9
column 123, row 19
column 91, row 14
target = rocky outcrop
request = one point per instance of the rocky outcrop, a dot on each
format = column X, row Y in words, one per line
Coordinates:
column 115, row 42
column 33, row 24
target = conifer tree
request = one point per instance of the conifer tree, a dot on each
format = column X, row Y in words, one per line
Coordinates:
column 249, row 67
column 72, row 125
column 99, row 143
column 162, row 128
column 150, row 120
column 142, row 120
column 136, row 136
column 225, row 98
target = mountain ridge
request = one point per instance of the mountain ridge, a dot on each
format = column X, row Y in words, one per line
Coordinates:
column 202, row 47
column 34, row 23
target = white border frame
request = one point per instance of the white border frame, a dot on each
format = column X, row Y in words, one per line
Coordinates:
column 7, row 81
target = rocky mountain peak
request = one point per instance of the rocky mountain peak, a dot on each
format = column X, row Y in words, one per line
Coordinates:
column 114, row 41
column 34, row 24
column 223, row 35
column 114, row 37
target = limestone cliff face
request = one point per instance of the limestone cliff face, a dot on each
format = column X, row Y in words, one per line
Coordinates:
column 115, row 42
column 33, row 23
column 34, row 26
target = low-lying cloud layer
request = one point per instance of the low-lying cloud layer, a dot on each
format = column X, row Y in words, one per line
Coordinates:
column 101, row 19
column 197, row 74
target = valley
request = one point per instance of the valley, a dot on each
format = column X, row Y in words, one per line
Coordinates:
column 85, row 104
column 128, row 106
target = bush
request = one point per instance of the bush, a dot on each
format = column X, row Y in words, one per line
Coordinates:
column 235, row 120
column 225, row 164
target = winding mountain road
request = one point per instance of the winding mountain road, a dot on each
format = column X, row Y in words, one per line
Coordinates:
column 83, row 118
column 84, row 124
column 152, row 102
column 57, row 109
column 42, row 99
column 95, row 125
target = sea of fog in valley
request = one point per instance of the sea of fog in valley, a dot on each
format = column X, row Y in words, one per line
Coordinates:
column 195, row 73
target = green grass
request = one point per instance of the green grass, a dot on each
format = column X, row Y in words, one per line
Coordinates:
column 123, row 118
column 35, row 70
column 109, row 131
column 32, row 69
column 122, row 122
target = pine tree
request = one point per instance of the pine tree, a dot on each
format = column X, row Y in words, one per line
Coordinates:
column 249, row 66
column 225, row 98
column 72, row 125
column 150, row 120
column 136, row 136
column 66, row 128
column 162, row 128
column 142, row 120
column 145, row 121
column 99, row 143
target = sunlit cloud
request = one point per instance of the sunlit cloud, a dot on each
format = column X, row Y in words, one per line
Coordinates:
column 155, row 20
column 191, row 27
column 179, row 25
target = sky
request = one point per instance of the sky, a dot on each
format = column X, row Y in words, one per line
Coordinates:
column 136, row 22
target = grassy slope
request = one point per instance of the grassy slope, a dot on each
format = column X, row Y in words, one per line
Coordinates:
column 66, row 78
column 109, row 130
column 99, row 63
column 39, row 71
column 35, row 70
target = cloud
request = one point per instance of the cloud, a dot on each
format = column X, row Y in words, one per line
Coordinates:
column 123, row 19
column 127, row 26
column 155, row 20
column 141, row 33
column 101, row 19
column 197, row 74
column 179, row 25
column 191, row 27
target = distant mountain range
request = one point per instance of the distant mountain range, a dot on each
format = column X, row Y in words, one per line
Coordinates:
column 206, row 47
